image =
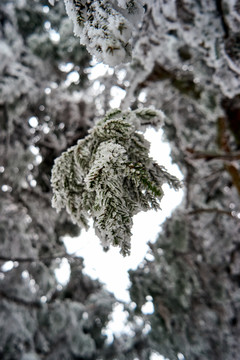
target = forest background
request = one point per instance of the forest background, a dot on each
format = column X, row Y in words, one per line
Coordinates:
column 186, row 63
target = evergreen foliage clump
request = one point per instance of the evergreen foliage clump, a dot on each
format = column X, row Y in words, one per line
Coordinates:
column 110, row 177
column 105, row 27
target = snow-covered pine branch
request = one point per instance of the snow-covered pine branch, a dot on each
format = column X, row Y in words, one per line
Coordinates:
column 105, row 27
column 110, row 177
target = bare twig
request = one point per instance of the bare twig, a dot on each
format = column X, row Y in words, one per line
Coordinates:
column 15, row 299
column 38, row 259
column 213, row 155
column 212, row 210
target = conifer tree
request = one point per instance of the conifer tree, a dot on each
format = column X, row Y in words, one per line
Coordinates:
column 185, row 62
column 39, row 119
column 186, row 66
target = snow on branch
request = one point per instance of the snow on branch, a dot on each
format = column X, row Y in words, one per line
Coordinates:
column 105, row 27
column 110, row 177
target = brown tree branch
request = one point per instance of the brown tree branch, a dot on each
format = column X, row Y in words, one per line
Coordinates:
column 41, row 258
column 15, row 299
column 213, row 155
column 234, row 173
column 213, row 210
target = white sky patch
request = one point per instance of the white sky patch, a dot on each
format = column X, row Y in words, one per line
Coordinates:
column 25, row 275
column 34, row 150
column 99, row 69
column 160, row 151
column 107, row 267
column 33, row 121
column 156, row 356
column 47, row 25
column 7, row 266
column 118, row 322
column 54, row 85
column 66, row 67
column 142, row 96
column 47, row 90
column 38, row 160
column 72, row 77
column 43, row 299
column 180, row 356
column 121, row 74
column 54, row 36
column 63, row 272
column 118, row 95
column 33, row 183
column 45, row 9
column 6, row 188
column 147, row 308
column 45, row 128
column 98, row 87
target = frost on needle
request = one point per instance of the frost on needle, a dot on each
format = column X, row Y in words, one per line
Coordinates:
column 110, row 177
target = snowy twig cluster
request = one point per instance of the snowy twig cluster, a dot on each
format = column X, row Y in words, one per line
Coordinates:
column 105, row 27
column 110, row 177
